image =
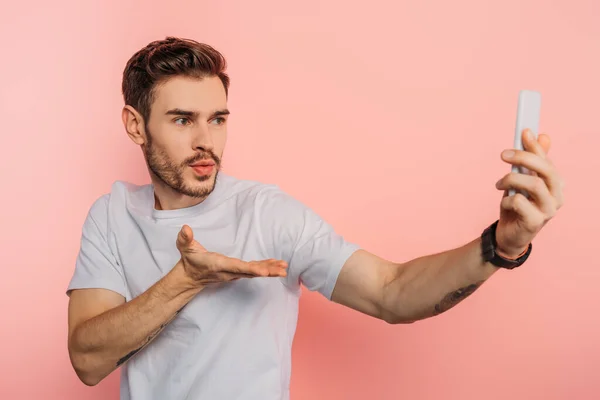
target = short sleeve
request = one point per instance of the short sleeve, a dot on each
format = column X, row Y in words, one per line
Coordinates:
column 95, row 266
column 314, row 250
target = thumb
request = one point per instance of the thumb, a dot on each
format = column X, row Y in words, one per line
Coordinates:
column 185, row 238
column 186, row 242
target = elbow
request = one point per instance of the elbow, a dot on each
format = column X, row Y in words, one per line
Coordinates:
column 394, row 319
column 83, row 366
column 400, row 321
column 88, row 379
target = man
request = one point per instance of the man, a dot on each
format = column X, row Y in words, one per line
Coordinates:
column 191, row 283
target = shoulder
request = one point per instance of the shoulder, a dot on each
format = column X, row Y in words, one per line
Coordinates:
column 127, row 192
column 98, row 211
column 121, row 194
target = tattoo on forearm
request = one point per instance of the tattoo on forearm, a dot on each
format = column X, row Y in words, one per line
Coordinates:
column 453, row 298
column 128, row 356
column 148, row 340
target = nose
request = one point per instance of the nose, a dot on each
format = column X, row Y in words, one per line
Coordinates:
column 202, row 139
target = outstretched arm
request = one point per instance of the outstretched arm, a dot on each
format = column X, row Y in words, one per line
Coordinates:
column 411, row 291
column 430, row 285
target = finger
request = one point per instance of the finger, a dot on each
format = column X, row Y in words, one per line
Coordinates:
column 277, row 268
column 230, row 276
column 534, row 185
column 221, row 263
column 533, row 162
column 270, row 267
column 532, row 218
column 222, row 277
column 557, row 185
column 544, row 141
column 531, row 144
column 264, row 268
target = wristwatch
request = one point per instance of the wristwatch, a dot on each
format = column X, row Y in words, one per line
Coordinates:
column 488, row 250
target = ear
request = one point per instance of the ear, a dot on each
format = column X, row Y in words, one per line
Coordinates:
column 134, row 125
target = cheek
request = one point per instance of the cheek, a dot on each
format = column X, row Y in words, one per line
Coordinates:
column 219, row 140
column 174, row 151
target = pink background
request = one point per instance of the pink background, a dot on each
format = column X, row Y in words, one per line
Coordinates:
column 424, row 91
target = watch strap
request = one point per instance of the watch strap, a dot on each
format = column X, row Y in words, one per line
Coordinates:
column 488, row 250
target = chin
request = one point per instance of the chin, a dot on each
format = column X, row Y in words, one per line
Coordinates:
column 202, row 186
column 204, row 179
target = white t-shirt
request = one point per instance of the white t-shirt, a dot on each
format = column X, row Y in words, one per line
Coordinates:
column 233, row 340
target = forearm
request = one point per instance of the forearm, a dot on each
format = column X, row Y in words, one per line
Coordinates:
column 430, row 285
column 101, row 344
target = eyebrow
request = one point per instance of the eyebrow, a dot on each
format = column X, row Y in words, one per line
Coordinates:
column 194, row 114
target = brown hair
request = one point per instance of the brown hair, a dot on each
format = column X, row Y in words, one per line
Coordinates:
column 162, row 59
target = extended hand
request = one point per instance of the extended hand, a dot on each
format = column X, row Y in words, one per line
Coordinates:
column 206, row 267
column 522, row 218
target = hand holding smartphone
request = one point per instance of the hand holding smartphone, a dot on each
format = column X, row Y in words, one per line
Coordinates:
column 528, row 117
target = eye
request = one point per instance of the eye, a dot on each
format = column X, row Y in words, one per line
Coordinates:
column 218, row 121
column 182, row 121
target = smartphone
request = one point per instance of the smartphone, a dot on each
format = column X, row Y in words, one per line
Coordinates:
column 528, row 117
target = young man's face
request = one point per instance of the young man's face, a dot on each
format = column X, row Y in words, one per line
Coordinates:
column 186, row 134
